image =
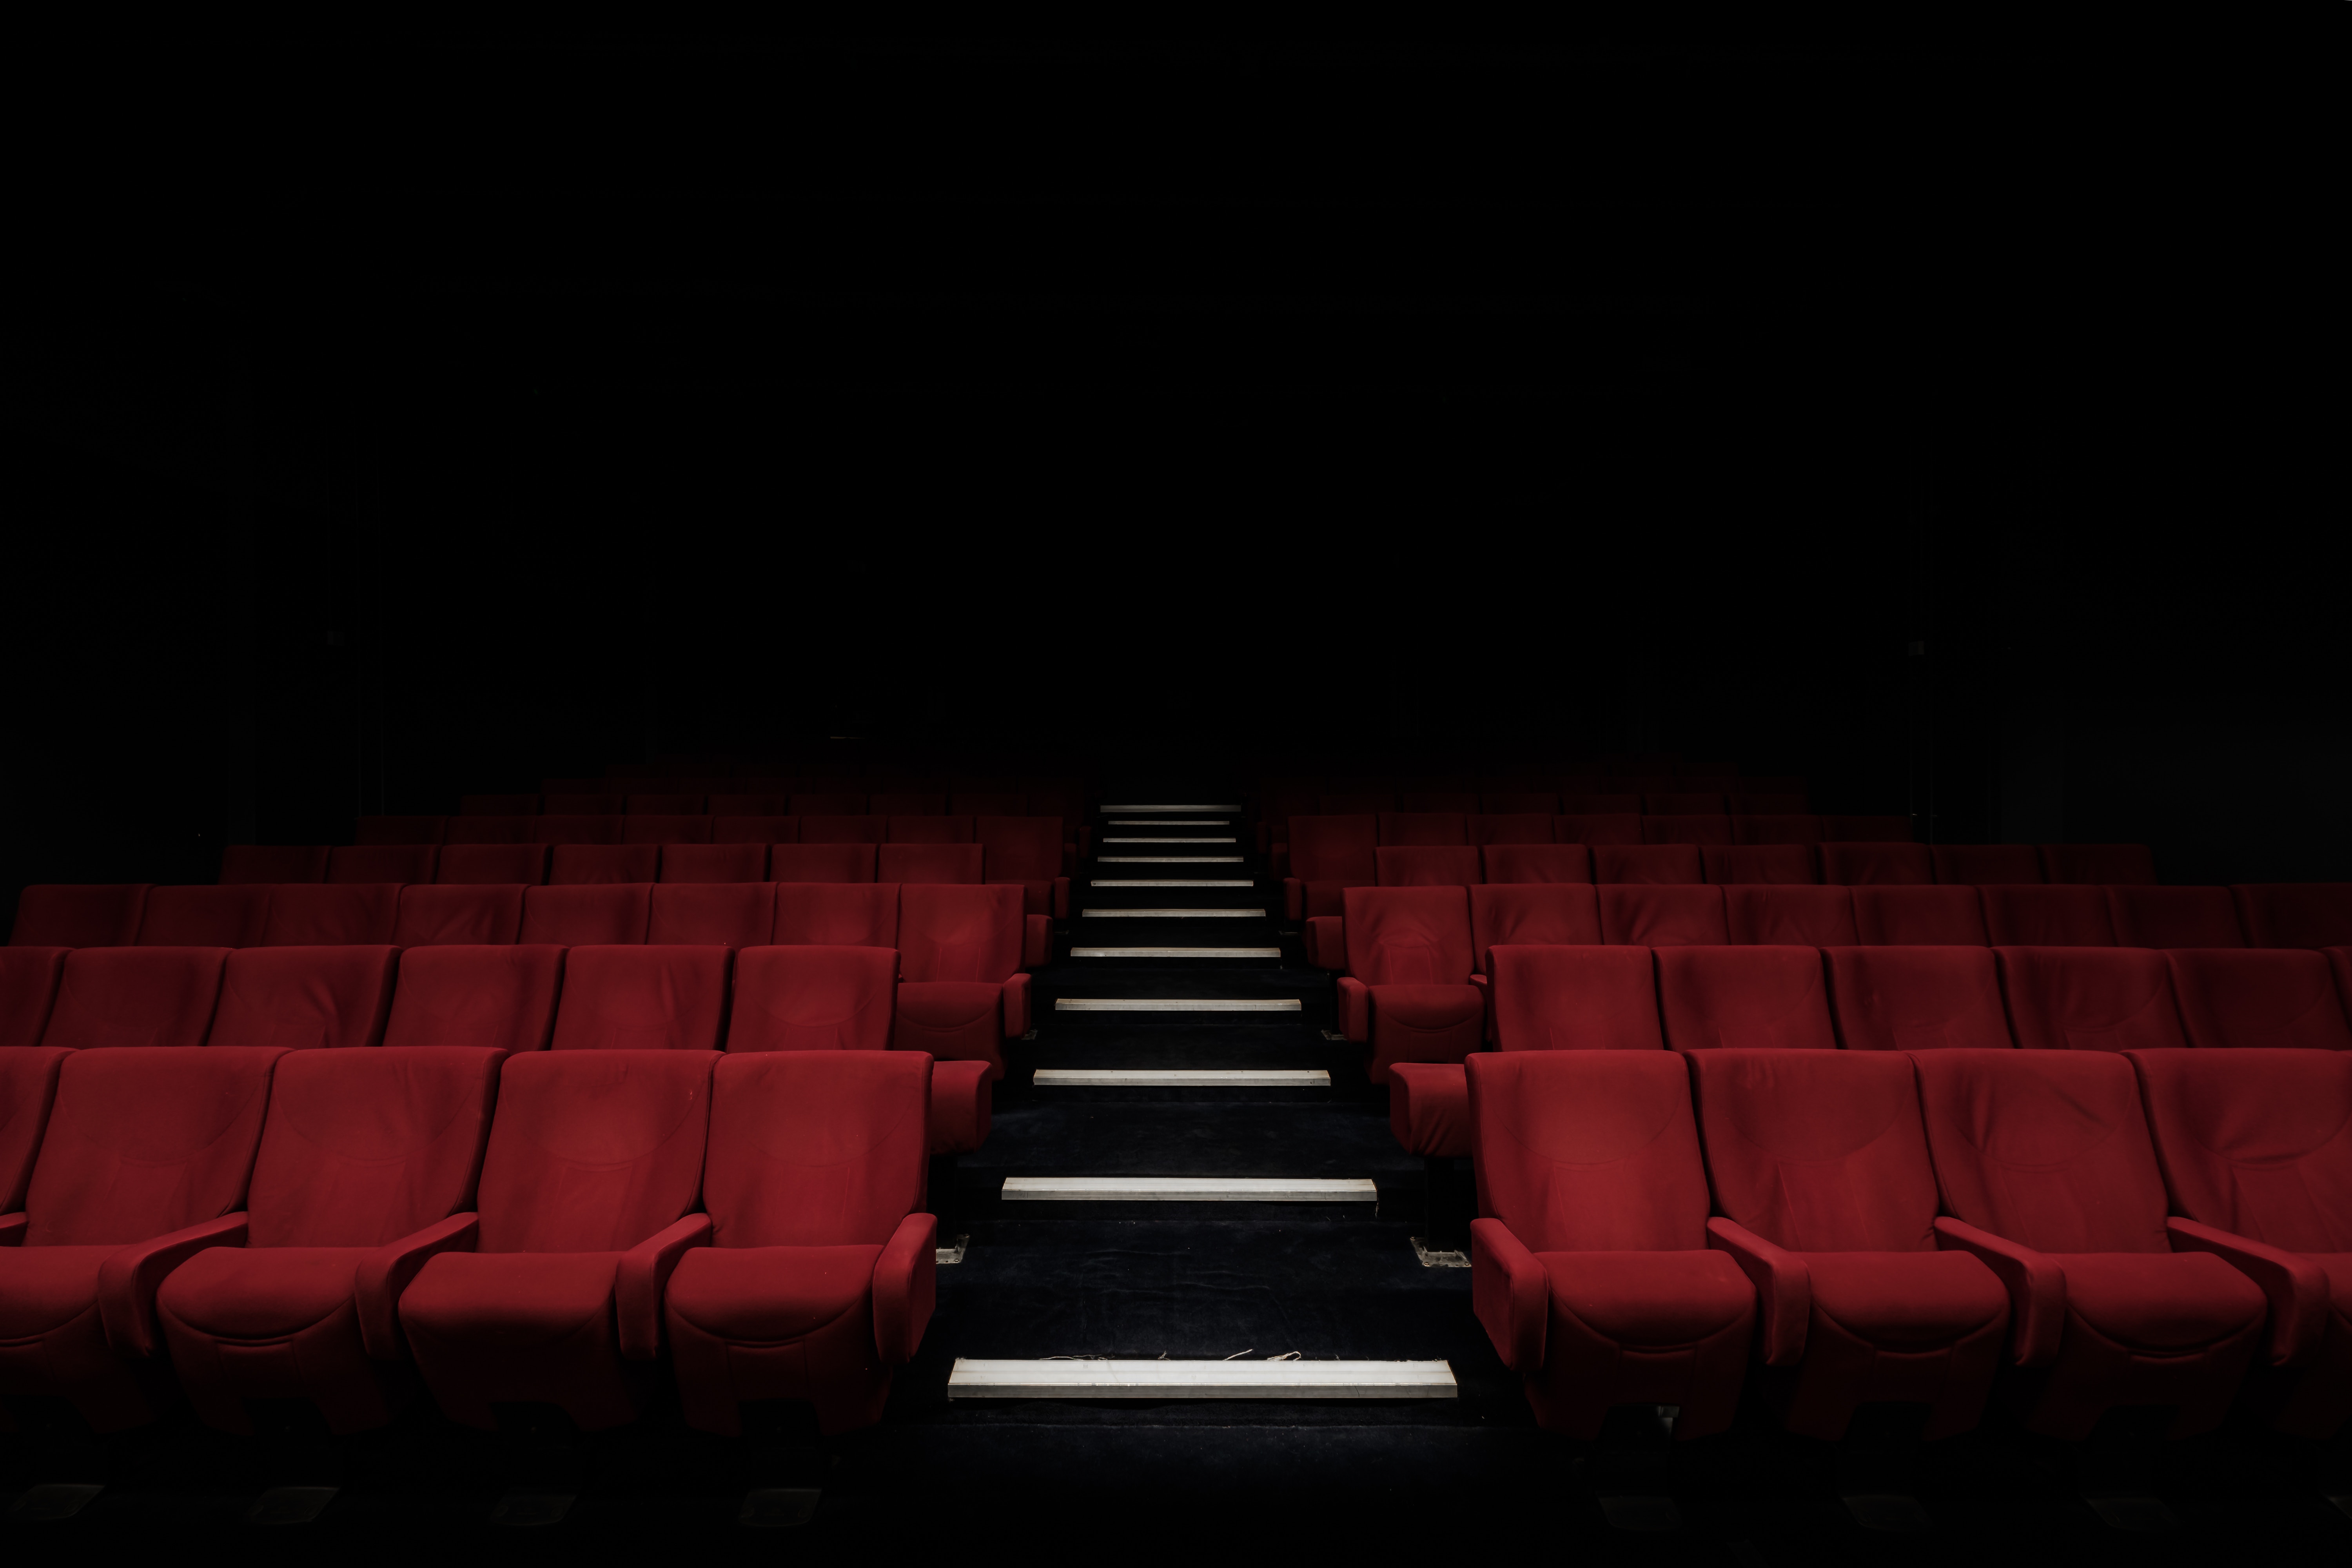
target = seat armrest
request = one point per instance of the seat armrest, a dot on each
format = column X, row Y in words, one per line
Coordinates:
column 1355, row 1009
column 1784, row 1288
column 1294, row 899
column 387, row 1271
column 2036, row 1286
column 1061, row 898
column 1016, row 1006
column 12, row 1229
column 128, row 1280
column 1509, row 1294
column 1326, row 942
column 2297, row 1288
column 905, row 1288
column 960, row 1106
column 1036, row 941
column 1428, row 1108
column 644, row 1274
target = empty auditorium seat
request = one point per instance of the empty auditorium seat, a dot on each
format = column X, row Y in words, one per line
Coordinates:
column 588, row 916
column 726, row 806
column 499, row 865
column 1876, row 865
column 818, row 829
column 935, row 829
column 2241, row 999
column 1588, row 803
column 119, row 997
column 400, row 830
column 1683, row 803
column 1408, row 990
column 2173, row 917
column 1976, row 865
column 583, row 865
column 274, row 863
column 1535, row 863
column 1423, row 827
column 204, row 916
column 29, row 989
column 1328, row 855
column 640, row 999
column 29, row 1088
column 1427, row 866
column 814, row 998
column 468, row 914
column 737, row 914
column 322, row 914
column 1819, row 1165
column 1744, row 998
column 1565, row 913
column 815, row 1274
column 1778, row 828
column 957, row 863
column 581, row 802
column 1654, row 864
column 142, row 1165
column 824, row 803
column 1584, row 998
column 498, row 998
column 2256, row 1150
column 594, row 1160
column 1866, row 830
column 367, row 1163
column 1027, row 850
column 497, row 805
column 1691, row 829
column 1767, row 913
column 822, row 862
column 1591, row 828
column 1636, row 915
column 2294, row 914
column 305, row 998
column 651, row 829
column 836, row 914
column 1919, row 916
column 714, row 863
column 381, row 863
column 1515, row 827
column 89, row 914
column 496, row 829
column 2038, row 916
column 671, row 805
column 1517, row 803
column 1916, row 998
column 578, row 829
column 2047, row 1175
column 1784, row 863
column 961, row 993
column 1591, row 1272
column 755, row 829
column 2088, row 998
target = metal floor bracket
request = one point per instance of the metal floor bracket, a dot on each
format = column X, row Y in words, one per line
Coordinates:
column 953, row 1252
column 1439, row 1260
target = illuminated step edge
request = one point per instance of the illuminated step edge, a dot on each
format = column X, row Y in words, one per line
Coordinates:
column 1193, row 1189
column 1168, row 841
column 1070, row 1378
column 1169, row 822
column 1171, row 915
column 1182, row 1078
column 1169, row 859
column 1170, row 882
column 1173, row 1004
column 1175, row 952
column 1110, row 808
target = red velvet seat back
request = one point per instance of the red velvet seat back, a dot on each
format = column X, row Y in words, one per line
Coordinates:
column 324, row 914
column 1919, row 916
column 593, row 1150
column 2294, row 914
column 638, row 998
column 2036, row 916
column 1408, row 936
column 29, row 990
column 594, row 915
column 1777, row 827
column 487, row 997
column 1427, row 866
column 948, row 932
column 467, row 915
column 908, row 863
column 2278, row 997
column 1876, row 865
column 382, row 862
column 302, row 998
column 1651, row 864
column 817, row 1148
column 814, row 999
column 1637, row 916
column 1509, row 827
column 1916, row 998
column 2047, row 1148
column 582, row 829
column 144, row 1142
column 1563, row 912
column 1574, row 998
column 491, row 865
column 119, row 997
column 2257, row 1143
column 2089, row 998
column 1536, row 863
column 1588, row 1151
column 360, row 1148
column 1597, row 827
column 29, row 1088
column 94, row 914
column 1019, row 849
column 2173, row 917
column 822, row 862
column 1787, row 863
column 1744, row 998
column 755, row 829
column 1335, row 848
column 1817, row 1151
column 836, row 914
column 1977, row 865
column 2117, row 865
column 273, row 863
column 694, row 863
column 819, row 828
column 1809, row 917
column 1422, row 827
column 205, row 916
column 665, row 829
column 738, row 914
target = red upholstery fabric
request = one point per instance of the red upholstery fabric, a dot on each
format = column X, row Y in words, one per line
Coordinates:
column 1330, row 854
column 1536, row 863
column 1557, row 913
column 1427, row 866
column 382, row 862
column 1027, row 850
column 115, row 997
column 2173, row 917
column 95, row 914
column 1653, row 865
column 738, row 914
column 618, row 998
column 1756, row 863
column 1515, row 827
column 492, row 997
column 205, row 916
column 491, row 830
column 590, row 916
column 1514, row 803
column 2048, row 1151
column 1691, row 829
column 29, row 1086
column 822, row 829
column 2294, row 914
column 322, row 914
column 754, row 830
column 400, row 830
column 1589, row 1270
column 1876, row 865
column 1916, row 998
column 1638, row 916
column 1823, row 1156
column 828, row 804
column 836, row 914
column 467, row 916
column 1574, row 999
column 29, row 989
column 817, row 1165
column 1744, row 998
column 821, row 862
column 2088, row 998
column 701, row 863
column 1422, row 827
column 1683, row 803
column 2260, row 997
column 1919, row 916
column 497, row 805
column 141, row 1144
column 586, row 865
column 1429, row 1109
column 931, row 863
column 2036, row 916
column 273, row 863
column 960, row 951
column 578, row 829
column 1597, row 827
column 2119, row 865
column 297, row 998
column 936, row 827
column 361, row 1150
column 592, row 1153
column 1590, row 804
column 1813, row 917
column 1408, row 936
column 1866, row 830
column 812, row 998
column 1777, row 827
column 1976, row 865
column 499, row 865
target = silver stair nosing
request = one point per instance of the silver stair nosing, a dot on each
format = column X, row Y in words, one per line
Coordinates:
column 975, row 1377
column 1108, row 809
column 1175, row 952
column 1167, row 859
column 1182, row 1078
column 1192, row 1189
column 1177, row 1004
column 1170, row 882
column 1139, row 840
column 1169, row 822
column 1085, row 914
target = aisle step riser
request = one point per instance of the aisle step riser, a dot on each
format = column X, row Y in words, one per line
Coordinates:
column 1077, row 1378
column 1170, row 882
column 1177, row 1004
column 1168, row 914
column 1192, row 1189
column 1182, row 1078
column 1140, row 810
column 1141, row 952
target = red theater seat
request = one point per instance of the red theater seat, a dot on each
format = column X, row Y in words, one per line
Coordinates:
column 498, row 998
column 92, row 914
column 578, row 829
column 1408, row 991
column 1591, row 1272
column 1813, row 917
column 467, row 916
column 1783, row 827
column 821, row 829
column 368, row 1161
column 2173, row 917
column 951, row 863
column 714, row 862
column 638, row 998
column 2119, row 865
column 1976, row 865
column 29, row 1088
column 585, row 865
column 822, row 862
column 274, row 863
column 2237, row 998
column 400, row 830
column 594, row 1160
column 494, row 829
column 1561, row 998
column 1516, row 803
column 1596, row 828
column 1876, row 865
column 738, row 914
column 323, row 914
column 1515, row 827
column 755, row 830
column 650, row 830
column 2037, row 916
column 491, row 865
column 1744, row 998
column 667, row 806
column 1691, row 829
column 1328, row 855
column 836, row 914
column 1536, row 863
column 29, row 989
column 1653, row 864
column 1916, row 998
column 303, row 998
column 1866, row 830
column 381, row 863
column 2045, row 1168
column 2089, row 998
column 205, row 916
column 1426, row 867
column 1919, row 916
column 592, row 916
column 1558, row 913
column 963, row 993
column 1790, row 864
column 1639, row 916
column 814, row 1275
column 142, row 1165
column 2295, row 914
column 1423, row 827
column 120, row 997
column 1027, row 850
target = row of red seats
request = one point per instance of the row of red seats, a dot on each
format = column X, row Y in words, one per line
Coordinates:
column 2068, row 1233
column 257, row 1224
column 1037, row 836
column 1869, row 865
column 783, row 802
column 1304, row 843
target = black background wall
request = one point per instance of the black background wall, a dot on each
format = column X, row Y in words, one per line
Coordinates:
column 1928, row 416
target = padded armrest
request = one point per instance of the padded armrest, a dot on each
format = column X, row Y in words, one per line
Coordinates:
column 12, row 1229
column 128, row 1280
column 1784, row 1288
column 1061, row 898
column 2036, row 1285
column 1428, row 1108
column 387, row 1271
column 2296, row 1287
column 1509, row 1294
column 1036, row 941
column 960, row 1106
column 1355, row 1009
column 1294, row 899
column 905, row 1288
column 1326, row 942
column 1016, row 1006
column 644, row 1274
